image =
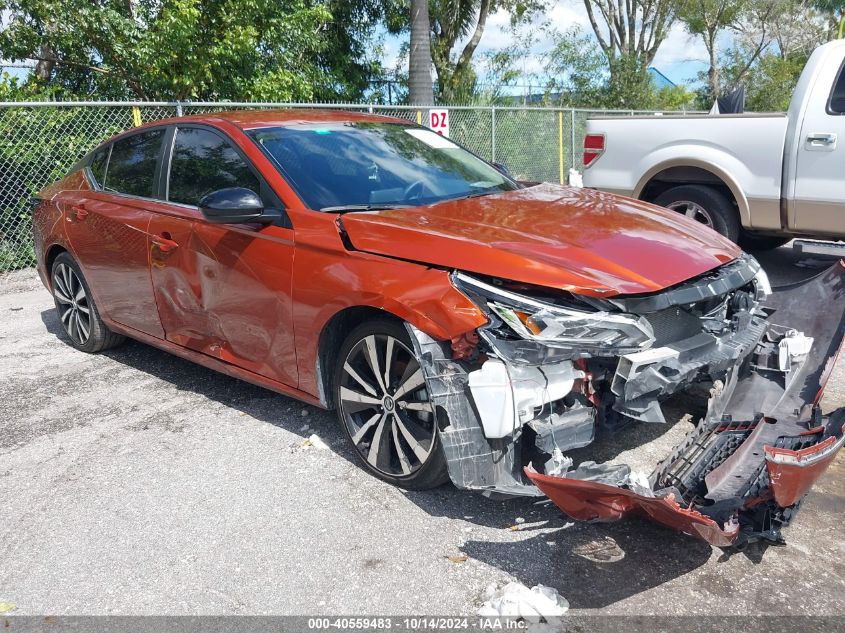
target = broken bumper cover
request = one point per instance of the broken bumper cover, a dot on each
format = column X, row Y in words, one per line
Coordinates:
column 594, row 501
column 742, row 473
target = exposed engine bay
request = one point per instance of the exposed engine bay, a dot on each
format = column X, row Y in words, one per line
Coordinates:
column 552, row 372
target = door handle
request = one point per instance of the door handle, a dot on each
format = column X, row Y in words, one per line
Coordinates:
column 80, row 211
column 822, row 139
column 165, row 243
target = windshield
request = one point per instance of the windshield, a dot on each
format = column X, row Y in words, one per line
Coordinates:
column 375, row 165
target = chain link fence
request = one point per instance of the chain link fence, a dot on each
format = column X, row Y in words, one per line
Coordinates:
column 41, row 141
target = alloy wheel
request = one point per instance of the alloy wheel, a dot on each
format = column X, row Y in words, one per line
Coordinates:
column 385, row 406
column 72, row 303
column 693, row 211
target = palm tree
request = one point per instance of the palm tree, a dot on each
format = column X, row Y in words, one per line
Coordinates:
column 419, row 61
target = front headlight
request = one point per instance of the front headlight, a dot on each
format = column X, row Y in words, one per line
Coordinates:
column 597, row 333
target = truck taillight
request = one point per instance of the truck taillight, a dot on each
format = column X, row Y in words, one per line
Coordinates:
column 593, row 148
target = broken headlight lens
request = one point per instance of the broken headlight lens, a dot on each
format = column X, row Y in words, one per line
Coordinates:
column 581, row 330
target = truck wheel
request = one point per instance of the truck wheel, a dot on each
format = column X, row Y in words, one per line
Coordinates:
column 705, row 205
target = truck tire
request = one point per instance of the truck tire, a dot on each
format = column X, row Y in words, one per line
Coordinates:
column 705, row 205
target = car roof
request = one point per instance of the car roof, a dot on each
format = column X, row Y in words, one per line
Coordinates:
column 258, row 118
column 251, row 119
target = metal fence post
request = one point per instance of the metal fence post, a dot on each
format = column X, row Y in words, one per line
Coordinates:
column 493, row 134
column 178, row 108
column 572, row 135
column 560, row 143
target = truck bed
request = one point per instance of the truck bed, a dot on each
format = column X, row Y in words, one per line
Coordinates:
column 745, row 148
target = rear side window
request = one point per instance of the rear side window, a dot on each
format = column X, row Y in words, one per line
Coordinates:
column 98, row 164
column 837, row 97
column 204, row 162
column 132, row 166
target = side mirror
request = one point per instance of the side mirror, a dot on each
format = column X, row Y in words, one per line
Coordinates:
column 233, row 205
column 503, row 170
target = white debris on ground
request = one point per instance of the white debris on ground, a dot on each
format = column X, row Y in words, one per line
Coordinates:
column 558, row 464
column 792, row 347
column 518, row 601
column 315, row 441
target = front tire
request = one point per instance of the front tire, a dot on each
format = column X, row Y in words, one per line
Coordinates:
column 384, row 407
column 705, row 205
column 77, row 311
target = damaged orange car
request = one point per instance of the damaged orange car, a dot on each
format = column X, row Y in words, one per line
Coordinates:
column 462, row 325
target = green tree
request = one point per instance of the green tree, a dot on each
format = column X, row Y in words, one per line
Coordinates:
column 193, row 49
column 629, row 34
column 456, row 28
column 579, row 75
column 708, row 19
column 576, row 70
column 772, row 41
column 835, row 10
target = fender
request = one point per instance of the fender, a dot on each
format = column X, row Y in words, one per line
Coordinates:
column 416, row 293
column 709, row 166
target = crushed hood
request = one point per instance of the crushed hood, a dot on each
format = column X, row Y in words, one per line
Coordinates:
column 580, row 240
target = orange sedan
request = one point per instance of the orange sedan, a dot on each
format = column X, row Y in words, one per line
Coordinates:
column 464, row 326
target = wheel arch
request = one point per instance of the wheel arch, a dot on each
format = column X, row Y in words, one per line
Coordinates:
column 668, row 174
column 334, row 332
column 49, row 257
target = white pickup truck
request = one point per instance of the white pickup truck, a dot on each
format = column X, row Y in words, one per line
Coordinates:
column 759, row 178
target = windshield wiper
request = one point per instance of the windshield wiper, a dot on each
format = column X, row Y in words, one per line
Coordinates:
column 348, row 208
column 478, row 194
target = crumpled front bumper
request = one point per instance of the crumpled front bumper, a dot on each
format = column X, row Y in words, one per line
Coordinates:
column 741, row 474
column 738, row 476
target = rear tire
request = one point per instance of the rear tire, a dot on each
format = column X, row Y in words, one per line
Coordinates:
column 384, row 408
column 77, row 311
column 705, row 205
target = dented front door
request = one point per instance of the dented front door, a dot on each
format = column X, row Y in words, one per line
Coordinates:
column 221, row 289
column 224, row 290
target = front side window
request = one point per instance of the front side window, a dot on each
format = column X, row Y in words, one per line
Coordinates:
column 333, row 165
column 98, row 164
column 837, row 97
column 132, row 165
column 204, row 162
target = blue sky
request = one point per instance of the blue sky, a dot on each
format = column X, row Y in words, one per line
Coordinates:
column 680, row 57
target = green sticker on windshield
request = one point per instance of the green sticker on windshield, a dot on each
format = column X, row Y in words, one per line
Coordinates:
column 322, row 131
